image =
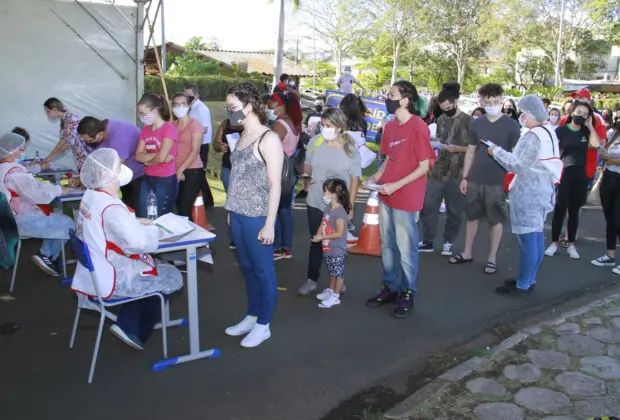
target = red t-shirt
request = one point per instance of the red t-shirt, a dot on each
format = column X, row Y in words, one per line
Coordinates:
column 592, row 157
column 405, row 147
column 153, row 140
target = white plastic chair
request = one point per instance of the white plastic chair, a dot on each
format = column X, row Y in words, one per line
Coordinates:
column 17, row 254
column 83, row 257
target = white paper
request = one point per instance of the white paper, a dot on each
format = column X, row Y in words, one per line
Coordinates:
column 367, row 156
column 372, row 187
column 488, row 143
column 437, row 145
column 172, row 227
column 358, row 137
column 433, row 129
column 207, row 258
column 232, row 139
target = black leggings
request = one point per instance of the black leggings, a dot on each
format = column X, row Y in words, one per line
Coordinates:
column 315, row 259
column 188, row 190
column 572, row 194
column 610, row 200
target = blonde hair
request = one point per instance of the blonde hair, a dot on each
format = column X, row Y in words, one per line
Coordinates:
column 339, row 119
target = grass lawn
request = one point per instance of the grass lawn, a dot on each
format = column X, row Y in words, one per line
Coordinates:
column 218, row 114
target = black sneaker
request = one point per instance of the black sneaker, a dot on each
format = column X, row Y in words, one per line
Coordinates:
column 45, row 264
column 383, row 297
column 426, row 246
column 232, row 245
column 513, row 283
column 404, row 305
column 511, row 289
column 604, row 261
column 8, row 328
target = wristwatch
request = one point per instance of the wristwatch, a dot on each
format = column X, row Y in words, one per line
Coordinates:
column 464, row 178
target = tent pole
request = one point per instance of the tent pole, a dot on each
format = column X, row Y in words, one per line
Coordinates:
column 139, row 53
column 161, row 75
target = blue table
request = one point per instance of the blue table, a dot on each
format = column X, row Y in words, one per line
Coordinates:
column 197, row 238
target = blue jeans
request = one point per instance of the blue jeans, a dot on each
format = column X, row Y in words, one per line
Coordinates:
column 52, row 247
column 166, row 189
column 399, row 248
column 225, row 177
column 138, row 318
column 256, row 261
column 284, row 221
column 532, row 254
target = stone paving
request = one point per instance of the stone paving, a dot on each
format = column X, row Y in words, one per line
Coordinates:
column 567, row 371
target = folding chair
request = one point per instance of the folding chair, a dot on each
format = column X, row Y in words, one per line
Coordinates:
column 18, row 253
column 83, row 257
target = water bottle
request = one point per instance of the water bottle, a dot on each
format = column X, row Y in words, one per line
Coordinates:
column 37, row 157
column 151, row 206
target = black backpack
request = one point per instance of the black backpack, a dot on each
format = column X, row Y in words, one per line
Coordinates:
column 288, row 168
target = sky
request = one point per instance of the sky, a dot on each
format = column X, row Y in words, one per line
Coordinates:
column 246, row 25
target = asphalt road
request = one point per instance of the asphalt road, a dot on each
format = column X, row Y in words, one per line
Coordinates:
column 315, row 359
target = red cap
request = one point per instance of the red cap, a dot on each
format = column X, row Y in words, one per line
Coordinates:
column 585, row 93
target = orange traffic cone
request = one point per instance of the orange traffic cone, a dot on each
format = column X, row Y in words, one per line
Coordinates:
column 368, row 242
column 199, row 215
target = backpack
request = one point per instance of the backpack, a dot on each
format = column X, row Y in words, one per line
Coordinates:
column 300, row 154
column 288, row 168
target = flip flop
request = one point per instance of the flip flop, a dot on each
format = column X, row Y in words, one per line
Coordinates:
column 490, row 266
column 458, row 259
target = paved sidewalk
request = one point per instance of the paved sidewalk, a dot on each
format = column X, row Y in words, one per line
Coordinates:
column 566, row 369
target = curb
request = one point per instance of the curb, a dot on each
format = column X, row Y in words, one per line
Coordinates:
column 405, row 409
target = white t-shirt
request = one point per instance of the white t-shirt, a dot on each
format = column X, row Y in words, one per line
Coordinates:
column 200, row 112
column 346, row 83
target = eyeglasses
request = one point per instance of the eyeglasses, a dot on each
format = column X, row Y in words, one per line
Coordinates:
column 233, row 108
column 180, row 105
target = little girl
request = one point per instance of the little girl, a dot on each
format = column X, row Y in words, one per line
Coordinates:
column 332, row 233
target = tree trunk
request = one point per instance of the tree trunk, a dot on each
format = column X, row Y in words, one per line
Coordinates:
column 461, row 65
column 396, row 59
column 279, row 55
column 338, row 64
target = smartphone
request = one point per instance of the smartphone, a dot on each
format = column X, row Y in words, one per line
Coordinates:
column 487, row 142
column 305, row 177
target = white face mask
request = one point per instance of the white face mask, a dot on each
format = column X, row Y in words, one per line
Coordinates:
column 329, row 134
column 326, row 200
column 180, row 111
column 148, row 119
column 553, row 119
column 493, row 110
column 476, row 117
column 125, row 176
column 347, row 72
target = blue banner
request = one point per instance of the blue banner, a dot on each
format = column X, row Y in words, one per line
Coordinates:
column 376, row 110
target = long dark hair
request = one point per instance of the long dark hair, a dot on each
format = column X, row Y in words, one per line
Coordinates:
column 355, row 110
column 292, row 108
column 590, row 114
column 409, row 91
column 158, row 102
column 339, row 187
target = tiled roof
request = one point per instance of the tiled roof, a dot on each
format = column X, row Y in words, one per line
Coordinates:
column 258, row 62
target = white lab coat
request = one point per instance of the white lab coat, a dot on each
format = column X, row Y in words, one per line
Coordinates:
column 29, row 200
column 532, row 193
column 119, row 247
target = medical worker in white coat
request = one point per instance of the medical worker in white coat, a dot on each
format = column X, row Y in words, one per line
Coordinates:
column 537, row 166
column 119, row 244
column 29, row 200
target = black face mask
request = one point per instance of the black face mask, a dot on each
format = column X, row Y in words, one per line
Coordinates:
column 318, row 108
column 392, row 105
column 190, row 99
column 579, row 120
column 236, row 117
column 509, row 111
column 450, row 112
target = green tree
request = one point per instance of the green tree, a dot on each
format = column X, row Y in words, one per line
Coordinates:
column 605, row 15
column 458, row 27
column 195, row 43
column 279, row 54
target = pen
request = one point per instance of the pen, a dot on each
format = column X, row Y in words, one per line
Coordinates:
column 162, row 228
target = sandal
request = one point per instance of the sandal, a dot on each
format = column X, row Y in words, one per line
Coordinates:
column 490, row 266
column 458, row 259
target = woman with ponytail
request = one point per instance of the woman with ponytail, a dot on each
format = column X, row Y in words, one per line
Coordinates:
column 331, row 154
column 287, row 118
column 157, row 150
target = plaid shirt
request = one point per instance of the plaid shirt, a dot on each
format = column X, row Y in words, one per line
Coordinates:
column 69, row 134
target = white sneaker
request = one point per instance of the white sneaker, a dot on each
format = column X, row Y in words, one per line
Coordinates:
column 308, row 287
column 244, row 327
column 572, row 252
column 258, row 334
column 447, row 249
column 442, row 208
column 616, row 270
column 552, row 250
column 332, row 300
column 324, row 294
column 120, row 334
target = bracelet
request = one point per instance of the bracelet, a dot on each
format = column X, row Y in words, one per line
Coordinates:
column 464, row 178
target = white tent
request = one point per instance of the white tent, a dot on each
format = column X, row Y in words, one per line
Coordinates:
column 87, row 54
